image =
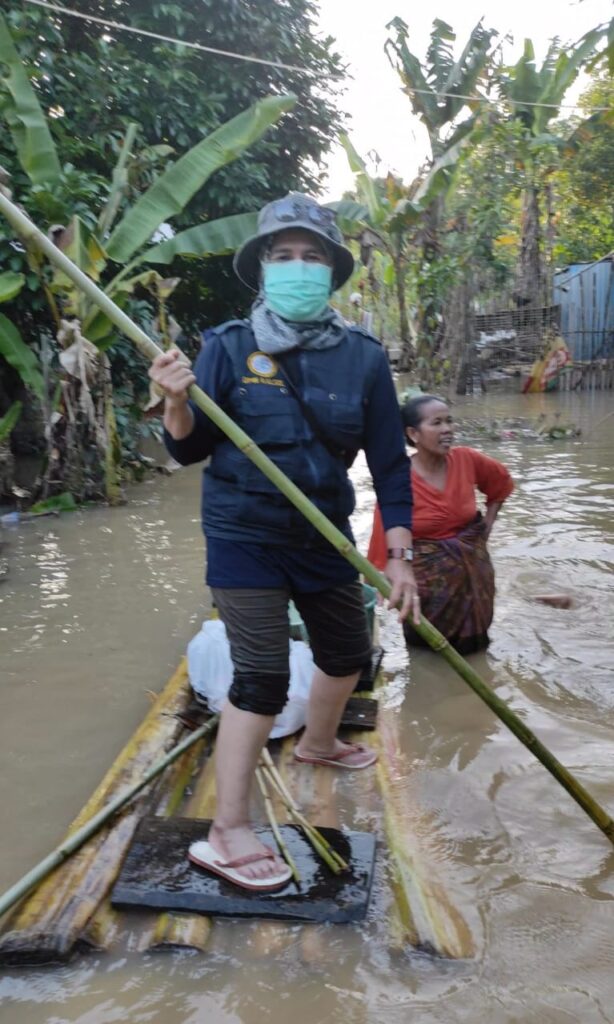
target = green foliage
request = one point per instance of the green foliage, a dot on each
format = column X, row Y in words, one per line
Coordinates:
column 584, row 184
column 21, row 111
column 172, row 191
column 223, row 235
column 64, row 502
column 437, row 86
column 97, row 82
column 9, row 420
column 78, row 200
column 10, row 285
column 19, row 355
column 534, row 95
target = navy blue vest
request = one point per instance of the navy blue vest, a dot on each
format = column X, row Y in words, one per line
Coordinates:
column 239, row 503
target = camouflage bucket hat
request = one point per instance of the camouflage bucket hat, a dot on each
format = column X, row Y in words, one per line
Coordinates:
column 293, row 211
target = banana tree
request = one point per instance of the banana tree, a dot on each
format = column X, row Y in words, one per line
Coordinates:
column 127, row 245
column 438, row 87
column 119, row 252
column 533, row 98
column 395, row 215
column 22, row 359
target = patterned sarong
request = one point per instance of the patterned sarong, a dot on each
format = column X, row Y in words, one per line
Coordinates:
column 456, row 582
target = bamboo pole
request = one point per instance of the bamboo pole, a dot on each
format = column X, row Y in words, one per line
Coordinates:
column 33, row 237
column 270, row 813
column 334, row 859
column 74, row 841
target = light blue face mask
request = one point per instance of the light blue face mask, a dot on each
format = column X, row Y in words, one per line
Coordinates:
column 296, row 290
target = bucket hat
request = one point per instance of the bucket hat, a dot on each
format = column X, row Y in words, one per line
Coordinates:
column 295, row 210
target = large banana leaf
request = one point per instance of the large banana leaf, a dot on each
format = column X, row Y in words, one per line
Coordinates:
column 8, row 421
column 351, row 217
column 10, row 285
column 21, row 358
column 438, row 178
column 566, row 69
column 173, row 189
column 119, row 182
column 365, row 184
column 412, row 75
column 468, row 69
column 83, row 248
column 24, row 116
column 439, row 56
column 212, row 239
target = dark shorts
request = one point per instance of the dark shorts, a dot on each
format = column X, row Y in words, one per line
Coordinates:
column 258, row 628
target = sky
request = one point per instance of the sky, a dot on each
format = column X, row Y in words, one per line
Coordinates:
column 381, row 119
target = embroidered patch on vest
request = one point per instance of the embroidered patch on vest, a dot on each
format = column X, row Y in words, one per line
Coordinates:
column 261, row 364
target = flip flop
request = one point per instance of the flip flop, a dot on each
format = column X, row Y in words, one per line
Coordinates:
column 339, row 760
column 203, row 854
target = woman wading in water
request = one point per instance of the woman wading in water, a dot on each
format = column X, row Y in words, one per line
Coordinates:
column 453, row 569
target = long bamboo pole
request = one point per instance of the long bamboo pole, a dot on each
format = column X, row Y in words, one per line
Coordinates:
column 74, row 841
column 32, row 236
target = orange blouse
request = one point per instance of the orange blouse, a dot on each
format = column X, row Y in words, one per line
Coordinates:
column 441, row 514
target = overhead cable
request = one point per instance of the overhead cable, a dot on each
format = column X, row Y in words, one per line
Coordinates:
column 292, row 67
column 166, row 39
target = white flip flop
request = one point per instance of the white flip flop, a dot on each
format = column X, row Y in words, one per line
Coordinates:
column 203, row 854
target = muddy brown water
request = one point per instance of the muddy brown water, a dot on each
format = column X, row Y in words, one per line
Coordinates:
column 98, row 607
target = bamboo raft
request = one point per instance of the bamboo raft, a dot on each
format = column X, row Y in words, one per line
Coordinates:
column 70, row 911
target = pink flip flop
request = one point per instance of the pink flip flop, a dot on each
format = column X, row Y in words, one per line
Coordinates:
column 203, row 854
column 340, row 760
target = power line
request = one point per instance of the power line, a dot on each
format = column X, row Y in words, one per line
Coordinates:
column 292, row 67
column 166, row 39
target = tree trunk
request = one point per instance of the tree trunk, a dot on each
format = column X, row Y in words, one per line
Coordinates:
column 530, row 272
column 407, row 349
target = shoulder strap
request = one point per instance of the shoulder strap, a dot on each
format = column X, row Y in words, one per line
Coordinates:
column 334, row 449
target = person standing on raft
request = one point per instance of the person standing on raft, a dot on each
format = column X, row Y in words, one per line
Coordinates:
column 311, row 392
column 455, row 575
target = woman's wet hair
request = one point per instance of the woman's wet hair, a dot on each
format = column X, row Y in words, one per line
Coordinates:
column 412, row 412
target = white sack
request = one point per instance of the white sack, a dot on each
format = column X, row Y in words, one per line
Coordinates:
column 210, row 671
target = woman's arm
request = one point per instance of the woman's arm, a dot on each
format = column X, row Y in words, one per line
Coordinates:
column 189, row 435
column 494, row 481
column 492, row 510
column 390, row 470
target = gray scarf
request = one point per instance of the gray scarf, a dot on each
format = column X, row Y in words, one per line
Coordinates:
column 273, row 334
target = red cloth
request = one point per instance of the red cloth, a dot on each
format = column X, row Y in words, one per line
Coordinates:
column 438, row 515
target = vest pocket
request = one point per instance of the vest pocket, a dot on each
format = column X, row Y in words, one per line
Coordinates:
column 340, row 415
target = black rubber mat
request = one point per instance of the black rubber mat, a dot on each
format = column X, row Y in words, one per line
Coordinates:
column 156, row 873
column 360, row 713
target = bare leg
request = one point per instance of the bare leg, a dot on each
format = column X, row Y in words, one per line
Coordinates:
column 241, row 737
column 327, row 700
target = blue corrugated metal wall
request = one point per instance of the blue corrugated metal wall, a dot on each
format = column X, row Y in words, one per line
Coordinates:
column 585, row 294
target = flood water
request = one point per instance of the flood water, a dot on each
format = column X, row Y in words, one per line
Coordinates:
column 94, row 615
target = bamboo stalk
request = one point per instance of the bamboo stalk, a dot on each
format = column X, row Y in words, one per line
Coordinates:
column 268, row 806
column 322, row 848
column 294, row 810
column 321, row 845
column 73, row 842
column 33, row 237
